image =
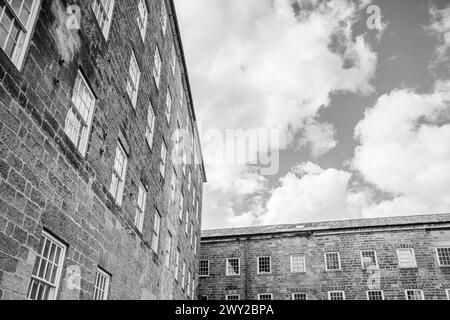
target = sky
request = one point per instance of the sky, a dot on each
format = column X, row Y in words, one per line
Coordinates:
column 315, row 110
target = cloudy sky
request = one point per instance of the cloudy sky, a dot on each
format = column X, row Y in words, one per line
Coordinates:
column 361, row 107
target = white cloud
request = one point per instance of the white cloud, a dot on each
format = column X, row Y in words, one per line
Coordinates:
column 440, row 26
column 405, row 150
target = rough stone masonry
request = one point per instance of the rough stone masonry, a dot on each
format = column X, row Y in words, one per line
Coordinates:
column 63, row 233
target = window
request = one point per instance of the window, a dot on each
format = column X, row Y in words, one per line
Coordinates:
column 168, row 105
column 406, row 258
column 79, row 118
column 181, row 206
column 150, row 130
column 174, row 59
column 332, row 261
column 173, row 185
column 162, row 166
column 195, row 244
column 191, row 241
column 101, row 287
column 203, row 298
column 264, row 265
column 299, row 296
column 232, row 297
column 134, row 77
column 448, row 293
column 17, row 19
column 197, row 210
column 193, row 195
column 181, row 96
column 265, row 296
column 118, row 176
column 156, row 229
column 140, row 211
column 103, row 11
column 336, row 295
column 186, row 230
column 183, row 275
column 188, row 286
column 168, row 250
column 193, row 288
column 177, row 263
column 298, row 263
column 369, row 259
column 47, row 269
column 157, row 67
column 414, row 295
column 233, row 267
column 163, row 17
column 189, row 181
column 375, row 295
column 204, row 268
column 142, row 18
column 443, row 256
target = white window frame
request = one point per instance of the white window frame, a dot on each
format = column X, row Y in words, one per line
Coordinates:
column 422, row 296
column 168, row 250
column 299, row 293
column 134, row 79
column 108, row 16
column 187, row 222
column 362, row 261
column 101, row 293
column 326, row 261
column 229, row 297
column 188, row 285
column 260, row 295
column 258, row 265
column 448, row 293
column 409, row 266
column 191, row 238
column 40, row 281
column 177, row 263
column 140, row 210
column 157, row 67
column 168, row 105
column 142, row 18
column 156, row 231
column 338, row 292
column 116, row 190
column 80, row 114
column 174, row 59
column 370, row 291
column 292, row 256
column 163, row 164
column 173, row 185
column 199, row 268
column 228, row 266
column 439, row 260
column 181, row 206
column 25, row 32
column 195, row 244
column 150, row 130
column 183, row 275
column 163, row 17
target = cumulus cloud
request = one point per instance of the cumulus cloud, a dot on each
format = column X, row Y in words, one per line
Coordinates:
column 404, row 149
column 440, row 27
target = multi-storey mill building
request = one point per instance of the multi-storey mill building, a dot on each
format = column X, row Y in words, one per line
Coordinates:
column 94, row 201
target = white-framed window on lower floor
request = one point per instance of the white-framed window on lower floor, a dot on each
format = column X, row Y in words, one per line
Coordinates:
column 140, row 210
column 79, row 117
column 203, row 268
column 265, row 296
column 119, row 174
column 101, row 285
column 406, row 258
column 168, row 250
column 150, row 130
column 299, row 296
column 443, row 255
column 336, row 295
column 47, row 270
column 414, row 294
column 156, row 230
column 177, row 263
column 183, row 275
column 332, row 261
column 369, row 259
column 233, row 267
column 232, row 297
column 448, row 293
column 162, row 166
column 188, row 286
column 375, row 295
column 264, row 265
column 142, row 18
column 17, row 20
column 134, row 78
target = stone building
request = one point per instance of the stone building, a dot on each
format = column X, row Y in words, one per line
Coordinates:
column 388, row 258
column 100, row 193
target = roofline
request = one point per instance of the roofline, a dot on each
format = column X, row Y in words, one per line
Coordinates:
column 177, row 33
column 340, row 225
